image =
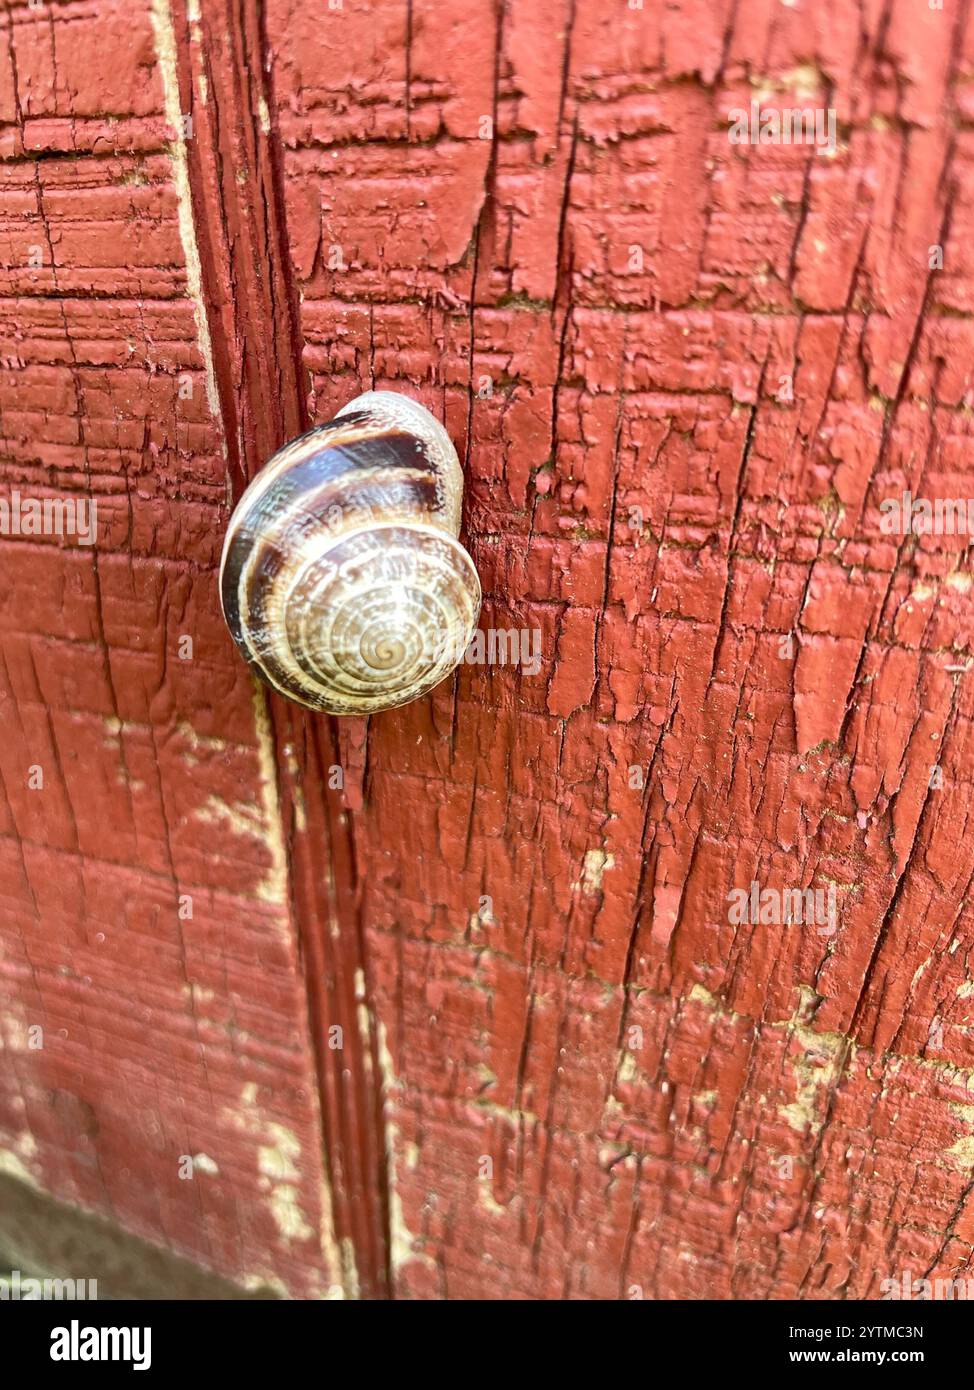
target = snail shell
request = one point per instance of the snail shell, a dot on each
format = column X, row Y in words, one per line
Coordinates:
column 342, row 579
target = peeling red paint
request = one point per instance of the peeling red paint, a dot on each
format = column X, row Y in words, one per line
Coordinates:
column 564, row 1073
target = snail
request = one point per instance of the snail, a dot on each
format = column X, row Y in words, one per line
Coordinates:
column 342, row 580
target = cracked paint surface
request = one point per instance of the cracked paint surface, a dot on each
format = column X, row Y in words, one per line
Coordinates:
column 145, row 922
column 781, row 673
column 462, row 191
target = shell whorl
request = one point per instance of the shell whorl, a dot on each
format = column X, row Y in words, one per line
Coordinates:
column 342, row 580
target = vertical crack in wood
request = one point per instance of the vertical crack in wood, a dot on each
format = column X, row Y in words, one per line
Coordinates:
column 236, row 182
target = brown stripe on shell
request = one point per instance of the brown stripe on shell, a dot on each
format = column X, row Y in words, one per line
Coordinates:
column 267, row 550
column 342, row 581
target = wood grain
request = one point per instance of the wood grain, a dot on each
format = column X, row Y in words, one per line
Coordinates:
column 664, row 1105
column 564, row 1072
column 166, row 1037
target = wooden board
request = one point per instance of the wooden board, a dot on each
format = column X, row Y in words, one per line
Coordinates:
column 682, row 375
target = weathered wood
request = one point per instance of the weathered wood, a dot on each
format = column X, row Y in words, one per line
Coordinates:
column 569, row 1074
column 165, row 1037
column 670, row 1105
column 235, row 175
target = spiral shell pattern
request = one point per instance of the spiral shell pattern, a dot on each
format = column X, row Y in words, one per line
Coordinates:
column 342, row 581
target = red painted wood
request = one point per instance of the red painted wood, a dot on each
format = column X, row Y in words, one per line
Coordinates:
column 165, row 1037
column 592, row 1085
